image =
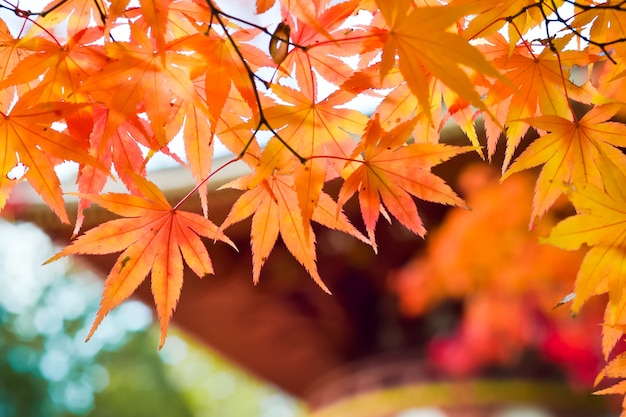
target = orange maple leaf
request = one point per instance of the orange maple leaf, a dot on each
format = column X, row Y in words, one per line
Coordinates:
column 417, row 36
column 10, row 56
column 393, row 171
column 152, row 236
column 154, row 13
column 222, row 66
column 310, row 128
column 26, row 137
column 320, row 52
column 78, row 13
column 120, row 150
column 490, row 16
column 198, row 140
column 309, row 12
column 611, row 334
column 534, row 85
column 61, row 67
column 445, row 104
column 142, row 77
column 152, row 17
column 575, row 151
column 200, row 132
column 606, row 25
column 274, row 207
column 400, row 104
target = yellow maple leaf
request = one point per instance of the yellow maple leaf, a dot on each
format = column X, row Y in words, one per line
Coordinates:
column 541, row 87
column 575, row 151
column 417, row 36
column 601, row 225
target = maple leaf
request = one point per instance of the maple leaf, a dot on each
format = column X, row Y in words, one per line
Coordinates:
column 274, row 207
column 394, row 172
column 609, row 80
column 61, row 68
column 121, row 150
column 221, row 66
column 419, row 50
column 320, row 53
column 140, row 76
column 491, row 16
column 198, row 141
column 308, row 12
column 600, row 224
column 200, row 132
column 605, row 24
column 538, row 80
column 153, row 18
column 575, row 151
column 154, row 236
column 611, row 334
column 400, row 104
column 78, row 14
column 154, row 13
column 10, row 56
column 26, row 137
column 616, row 368
column 310, row 128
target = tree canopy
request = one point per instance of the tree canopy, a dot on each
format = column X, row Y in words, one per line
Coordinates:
column 108, row 84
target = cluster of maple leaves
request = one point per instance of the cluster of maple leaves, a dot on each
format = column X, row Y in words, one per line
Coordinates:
column 95, row 82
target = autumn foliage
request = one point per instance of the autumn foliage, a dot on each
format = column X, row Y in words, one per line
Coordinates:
column 108, row 84
column 506, row 282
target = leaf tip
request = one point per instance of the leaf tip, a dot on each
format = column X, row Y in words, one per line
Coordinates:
column 372, row 239
column 53, row 258
column 162, row 338
column 322, row 285
column 94, row 327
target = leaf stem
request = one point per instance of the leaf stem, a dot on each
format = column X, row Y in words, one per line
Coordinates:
column 201, row 183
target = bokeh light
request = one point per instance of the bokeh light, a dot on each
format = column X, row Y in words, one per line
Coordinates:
column 47, row 368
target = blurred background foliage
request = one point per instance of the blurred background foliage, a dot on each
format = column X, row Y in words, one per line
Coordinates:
column 489, row 270
column 477, row 300
column 46, row 368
